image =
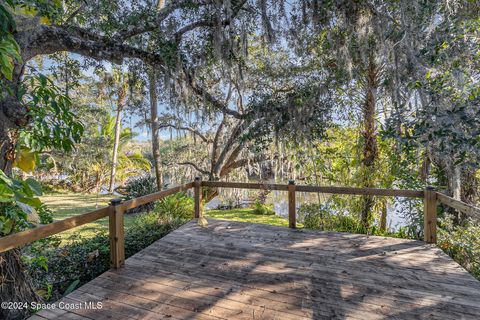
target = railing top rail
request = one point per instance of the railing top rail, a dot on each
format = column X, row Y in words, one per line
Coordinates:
column 461, row 206
column 133, row 203
column 319, row 189
column 24, row 237
column 28, row 236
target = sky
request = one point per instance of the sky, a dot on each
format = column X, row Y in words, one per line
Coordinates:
column 129, row 120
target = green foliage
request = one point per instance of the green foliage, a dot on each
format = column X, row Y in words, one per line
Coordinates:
column 322, row 217
column 177, row 207
column 263, row 209
column 9, row 53
column 45, row 214
column 461, row 242
column 328, row 217
column 49, row 11
column 9, row 49
column 67, row 267
column 140, row 186
column 18, row 198
column 54, row 125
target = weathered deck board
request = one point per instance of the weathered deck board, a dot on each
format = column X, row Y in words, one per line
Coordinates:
column 233, row 270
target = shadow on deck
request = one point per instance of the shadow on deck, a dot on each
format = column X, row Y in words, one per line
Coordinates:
column 234, row 270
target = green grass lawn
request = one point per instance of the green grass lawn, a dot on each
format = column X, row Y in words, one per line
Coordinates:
column 247, row 215
column 68, row 204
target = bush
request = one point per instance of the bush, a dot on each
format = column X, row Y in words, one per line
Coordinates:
column 55, row 269
column 323, row 217
column 45, row 214
column 60, row 266
column 141, row 186
column 177, row 207
column 262, row 209
column 462, row 243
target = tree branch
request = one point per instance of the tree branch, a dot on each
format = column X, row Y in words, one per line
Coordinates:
column 150, row 25
column 202, row 92
column 215, row 144
column 192, row 130
column 236, row 132
column 242, row 162
column 188, row 163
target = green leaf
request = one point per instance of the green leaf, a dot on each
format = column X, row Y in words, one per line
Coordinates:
column 35, row 186
column 72, row 287
column 6, row 193
column 6, row 66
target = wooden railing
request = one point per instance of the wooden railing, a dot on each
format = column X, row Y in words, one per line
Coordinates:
column 115, row 211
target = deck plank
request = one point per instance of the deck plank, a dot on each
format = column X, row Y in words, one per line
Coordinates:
column 235, row 270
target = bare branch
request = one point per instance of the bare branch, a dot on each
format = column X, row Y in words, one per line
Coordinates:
column 202, row 92
column 192, row 130
column 188, row 163
column 243, row 162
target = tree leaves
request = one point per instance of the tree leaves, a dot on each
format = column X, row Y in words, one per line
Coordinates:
column 9, row 49
column 54, row 125
column 17, row 198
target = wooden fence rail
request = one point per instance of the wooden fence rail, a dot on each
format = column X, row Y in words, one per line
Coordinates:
column 460, row 206
column 116, row 210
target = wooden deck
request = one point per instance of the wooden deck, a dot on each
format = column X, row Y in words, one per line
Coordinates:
column 233, row 270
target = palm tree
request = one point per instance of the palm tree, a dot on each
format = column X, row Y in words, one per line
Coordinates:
column 124, row 164
column 116, row 85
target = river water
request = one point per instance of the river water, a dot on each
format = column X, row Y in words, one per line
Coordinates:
column 399, row 213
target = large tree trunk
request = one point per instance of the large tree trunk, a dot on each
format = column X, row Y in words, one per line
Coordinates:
column 370, row 148
column 15, row 284
column 157, row 163
column 13, row 116
column 118, row 128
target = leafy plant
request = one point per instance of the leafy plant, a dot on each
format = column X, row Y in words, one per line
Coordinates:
column 177, row 207
column 54, row 125
column 324, row 217
column 262, row 209
column 9, row 49
column 83, row 259
column 141, row 186
column 45, row 214
column 17, row 199
column 461, row 242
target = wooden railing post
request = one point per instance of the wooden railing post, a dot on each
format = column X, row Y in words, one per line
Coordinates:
column 116, row 234
column 197, row 187
column 292, row 214
column 430, row 215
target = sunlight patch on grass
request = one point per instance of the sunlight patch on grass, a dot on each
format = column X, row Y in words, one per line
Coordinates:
column 69, row 204
column 247, row 215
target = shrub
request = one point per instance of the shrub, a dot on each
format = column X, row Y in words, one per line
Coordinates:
column 323, row 217
column 262, row 209
column 82, row 260
column 177, row 207
column 141, row 186
column 45, row 214
column 55, row 269
column 461, row 242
